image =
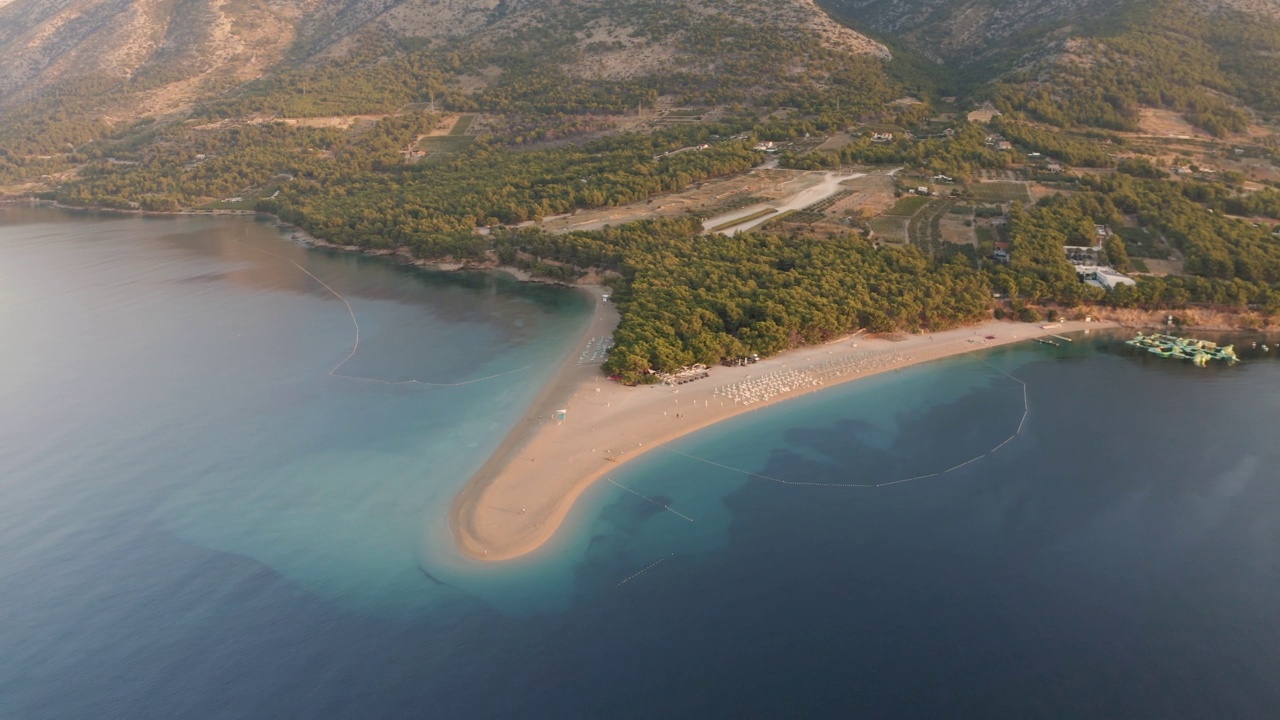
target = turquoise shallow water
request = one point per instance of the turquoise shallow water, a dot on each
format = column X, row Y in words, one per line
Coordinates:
column 185, row 369
column 197, row 520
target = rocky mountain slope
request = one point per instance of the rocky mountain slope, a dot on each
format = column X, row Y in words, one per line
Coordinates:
column 965, row 29
column 971, row 31
column 172, row 52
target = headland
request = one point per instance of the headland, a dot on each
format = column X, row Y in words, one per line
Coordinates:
column 523, row 493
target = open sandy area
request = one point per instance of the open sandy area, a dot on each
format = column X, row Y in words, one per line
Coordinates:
column 523, row 493
column 1168, row 123
column 803, row 191
column 740, row 195
column 954, row 230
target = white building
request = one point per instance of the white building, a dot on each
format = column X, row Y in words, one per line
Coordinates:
column 1105, row 277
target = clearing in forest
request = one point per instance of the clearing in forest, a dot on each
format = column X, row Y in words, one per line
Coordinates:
column 908, row 206
column 724, row 199
column 889, row 228
column 1000, row 192
column 954, row 230
column 1168, row 123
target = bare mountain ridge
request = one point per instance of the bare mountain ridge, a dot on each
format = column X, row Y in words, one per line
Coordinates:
column 181, row 51
column 177, row 48
column 336, row 22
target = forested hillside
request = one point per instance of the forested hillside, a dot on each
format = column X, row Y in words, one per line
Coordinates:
column 1092, row 63
column 457, row 131
column 968, row 32
column 1217, row 68
column 77, row 70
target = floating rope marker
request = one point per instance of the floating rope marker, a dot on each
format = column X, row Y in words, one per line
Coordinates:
column 646, row 569
column 355, row 347
column 1026, row 410
column 655, row 502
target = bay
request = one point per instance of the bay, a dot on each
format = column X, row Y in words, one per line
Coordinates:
column 201, row 517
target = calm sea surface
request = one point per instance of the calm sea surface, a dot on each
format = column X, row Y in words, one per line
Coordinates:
column 201, row 517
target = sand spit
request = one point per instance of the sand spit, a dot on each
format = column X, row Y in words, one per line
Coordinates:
column 520, row 497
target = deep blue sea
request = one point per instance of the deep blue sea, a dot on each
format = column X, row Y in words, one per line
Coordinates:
column 201, row 518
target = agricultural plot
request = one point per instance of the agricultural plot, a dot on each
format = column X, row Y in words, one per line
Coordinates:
column 463, row 125
column 1000, row 192
column 924, row 230
column 908, row 206
column 742, row 220
column 889, row 228
column 954, row 229
column 680, row 116
column 836, row 141
column 825, row 204
column 445, row 144
column 799, row 217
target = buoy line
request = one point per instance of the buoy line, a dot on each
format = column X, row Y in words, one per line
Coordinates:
column 1026, row 410
column 644, row 570
column 646, row 497
column 355, row 346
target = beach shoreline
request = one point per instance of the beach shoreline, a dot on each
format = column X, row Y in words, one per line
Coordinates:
column 522, row 495
column 298, row 235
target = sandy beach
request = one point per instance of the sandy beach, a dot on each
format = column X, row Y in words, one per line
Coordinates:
column 515, row 502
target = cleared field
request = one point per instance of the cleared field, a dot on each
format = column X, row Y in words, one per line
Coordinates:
column 1040, row 190
column 1168, row 123
column 924, row 229
column 1164, row 267
column 953, row 229
column 445, row 144
column 1000, row 192
column 345, row 122
column 889, row 228
column 743, row 220
column 709, row 199
column 1142, row 243
column 983, row 115
column 908, row 206
column 463, row 125
column 836, row 141
column 248, row 199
